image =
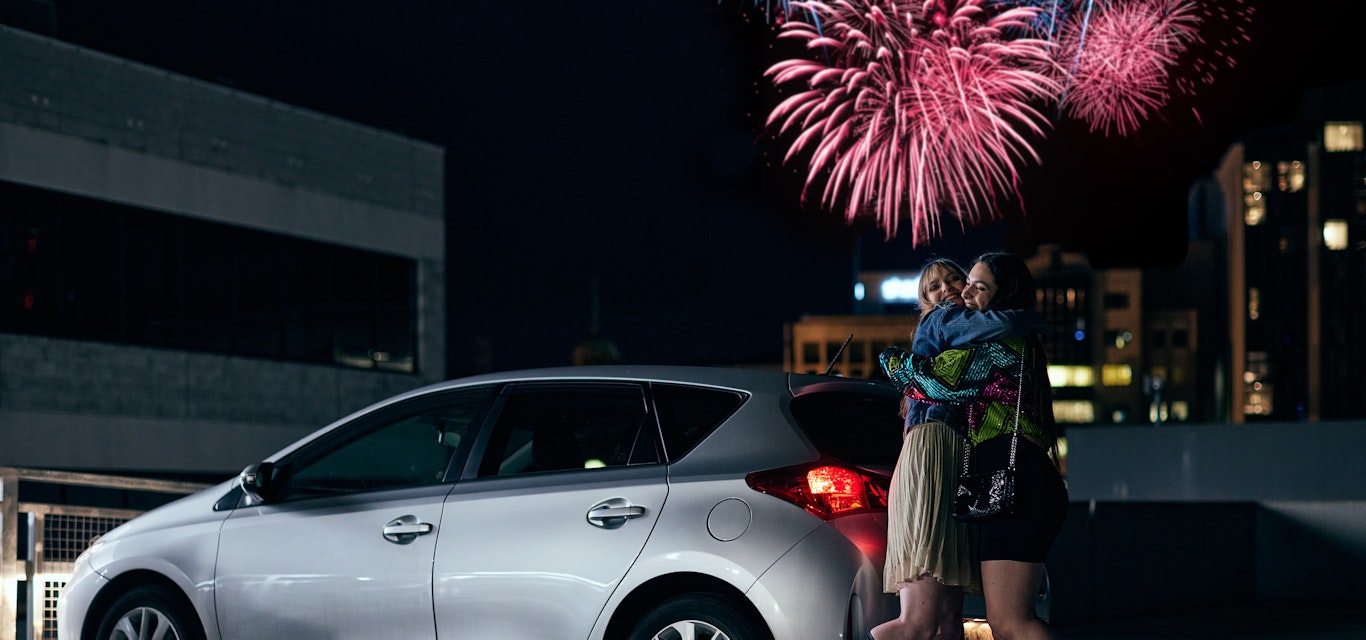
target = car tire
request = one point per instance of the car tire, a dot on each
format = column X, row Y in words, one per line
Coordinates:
column 699, row 616
column 149, row 611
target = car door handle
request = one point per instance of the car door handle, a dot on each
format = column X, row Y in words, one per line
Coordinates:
column 405, row 529
column 613, row 513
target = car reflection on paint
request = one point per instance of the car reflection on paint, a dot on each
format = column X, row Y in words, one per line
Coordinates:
column 588, row 502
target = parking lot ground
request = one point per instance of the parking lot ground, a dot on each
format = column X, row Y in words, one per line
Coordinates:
column 1300, row 620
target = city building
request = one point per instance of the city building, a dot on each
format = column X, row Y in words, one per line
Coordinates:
column 1295, row 201
column 846, row 346
column 189, row 268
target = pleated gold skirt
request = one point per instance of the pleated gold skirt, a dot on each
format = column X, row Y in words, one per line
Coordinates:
column 923, row 539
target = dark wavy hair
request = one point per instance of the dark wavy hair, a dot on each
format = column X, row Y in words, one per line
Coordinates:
column 1015, row 289
column 1014, row 283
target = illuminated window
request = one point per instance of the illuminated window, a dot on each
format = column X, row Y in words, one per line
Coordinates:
column 1290, row 176
column 1116, row 375
column 1254, row 303
column 900, row 289
column 1256, row 177
column 1118, row 339
column 1062, row 375
column 1342, row 136
column 1257, row 394
column 1255, row 210
column 1258, row 401
column 1074, row 411
column 1335, row 234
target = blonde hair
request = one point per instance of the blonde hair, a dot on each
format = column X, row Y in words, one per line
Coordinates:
column 940, row 267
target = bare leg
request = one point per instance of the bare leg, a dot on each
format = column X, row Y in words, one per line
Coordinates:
column 1010, row 588
column 929, row 610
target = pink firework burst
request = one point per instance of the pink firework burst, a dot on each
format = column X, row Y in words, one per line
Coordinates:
column 1224, row 28
column 1123, row 63
column 910, row 113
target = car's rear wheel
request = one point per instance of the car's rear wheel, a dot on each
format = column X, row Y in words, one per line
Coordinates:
column 149, row 612
column 699, row 616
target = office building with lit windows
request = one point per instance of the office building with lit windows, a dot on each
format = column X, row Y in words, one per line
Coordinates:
column 1295, row 200
column 1122, row 345
column 186, row 267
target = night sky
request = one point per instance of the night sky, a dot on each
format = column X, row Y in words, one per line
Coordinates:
column 622, row 143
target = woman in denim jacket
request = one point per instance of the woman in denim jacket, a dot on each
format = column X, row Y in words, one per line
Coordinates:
column 929, row 563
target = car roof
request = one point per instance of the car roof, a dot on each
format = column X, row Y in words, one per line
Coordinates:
column 753, row 381
column 732, row 377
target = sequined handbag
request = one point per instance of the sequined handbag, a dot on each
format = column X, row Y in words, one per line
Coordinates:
column 989, row 495
column 985, row 496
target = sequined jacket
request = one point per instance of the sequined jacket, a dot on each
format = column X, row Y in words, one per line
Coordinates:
column 989, row 379
column 947, row 326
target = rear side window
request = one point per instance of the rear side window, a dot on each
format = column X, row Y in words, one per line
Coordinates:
column 859, row 428
column 688, row 414
column 569, row 427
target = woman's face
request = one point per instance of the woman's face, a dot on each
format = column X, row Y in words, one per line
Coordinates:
column 981, row 287
column 940, row 284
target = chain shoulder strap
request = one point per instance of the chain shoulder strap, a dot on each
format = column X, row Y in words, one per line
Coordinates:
column 1015, row 434
column 1019, row 408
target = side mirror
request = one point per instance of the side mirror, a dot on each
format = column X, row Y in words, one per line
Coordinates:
column 257, row 482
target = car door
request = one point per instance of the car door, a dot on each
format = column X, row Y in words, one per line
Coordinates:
column 344, row 550
column 558, row 501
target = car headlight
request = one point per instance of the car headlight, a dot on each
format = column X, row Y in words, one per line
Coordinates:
column 84, row 561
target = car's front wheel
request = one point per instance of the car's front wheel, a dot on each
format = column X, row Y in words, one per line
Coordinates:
column 149, row 612
column 699, row 616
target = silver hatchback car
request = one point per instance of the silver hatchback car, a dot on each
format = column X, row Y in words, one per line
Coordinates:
column 616, row 503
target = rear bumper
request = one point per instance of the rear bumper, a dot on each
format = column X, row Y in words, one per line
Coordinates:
column 829, row 585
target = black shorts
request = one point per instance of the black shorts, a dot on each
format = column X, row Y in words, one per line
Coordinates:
column 1040, row 503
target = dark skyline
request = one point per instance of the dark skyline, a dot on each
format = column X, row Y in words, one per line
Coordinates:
column 623, row 142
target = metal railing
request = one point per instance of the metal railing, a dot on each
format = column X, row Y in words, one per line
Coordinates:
column 47, row 518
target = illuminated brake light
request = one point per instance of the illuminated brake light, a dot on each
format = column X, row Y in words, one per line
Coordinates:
column 840, row 487
column 825, row 489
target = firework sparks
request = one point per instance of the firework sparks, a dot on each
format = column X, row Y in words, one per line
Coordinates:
column 910, row 110
column 1123, row 73
column 910, row 113
column 1050, row 17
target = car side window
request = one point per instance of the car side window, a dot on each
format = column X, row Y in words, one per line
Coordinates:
column 545, row 427
column 401, row 447
column 689, row 414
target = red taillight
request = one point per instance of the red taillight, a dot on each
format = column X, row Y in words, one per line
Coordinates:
column 825, row 488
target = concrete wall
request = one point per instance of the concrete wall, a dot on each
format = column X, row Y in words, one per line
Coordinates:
column 68, row 404
column 1180, row 517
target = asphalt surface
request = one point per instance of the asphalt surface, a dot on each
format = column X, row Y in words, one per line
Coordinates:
column 1322, row 620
